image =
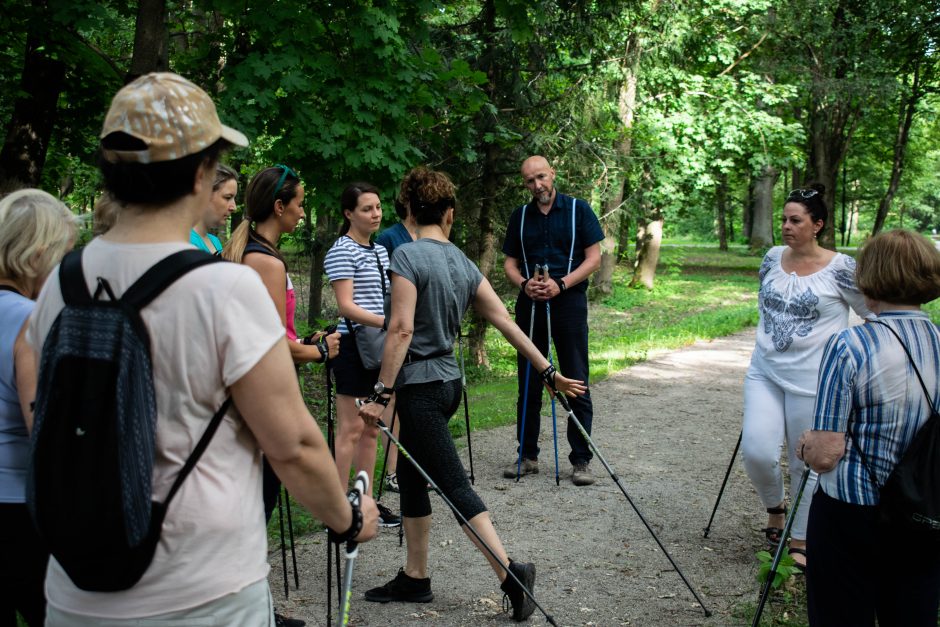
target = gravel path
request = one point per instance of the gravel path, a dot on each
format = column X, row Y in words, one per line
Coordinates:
column 667, row 427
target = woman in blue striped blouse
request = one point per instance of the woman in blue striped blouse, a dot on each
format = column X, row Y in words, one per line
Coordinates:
column 869, row 407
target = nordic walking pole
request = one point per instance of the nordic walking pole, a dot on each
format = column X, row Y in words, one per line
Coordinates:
column 548, row 324
column 385, row 462
column 548, row 376
column 290, row 533
column 723, row 484
column 525, row 395
column 765, row 590
column 463, row 519
column 330, row 440
column 360, row 487
column 466, row 407
column 280, row 522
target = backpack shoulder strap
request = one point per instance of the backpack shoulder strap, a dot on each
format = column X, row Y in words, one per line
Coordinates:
column 162, row 274
column 201, row 447
column 72, row 280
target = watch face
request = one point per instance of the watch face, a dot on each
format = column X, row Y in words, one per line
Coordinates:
column 379, row 387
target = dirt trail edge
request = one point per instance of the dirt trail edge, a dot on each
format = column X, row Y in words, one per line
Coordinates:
column 667, row 427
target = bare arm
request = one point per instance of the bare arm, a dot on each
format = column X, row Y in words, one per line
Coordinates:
column 488, row 305
column 821, row 450
column 25, row 367
column 397, row 340
column 269, row 400
column 343, row 289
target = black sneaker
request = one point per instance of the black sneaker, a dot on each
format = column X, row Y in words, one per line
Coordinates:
column 522, row 603
column 404, row 589
column 283, row 621
column 387, row 518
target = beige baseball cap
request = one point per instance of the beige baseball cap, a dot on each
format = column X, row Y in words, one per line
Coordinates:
column 171, row 115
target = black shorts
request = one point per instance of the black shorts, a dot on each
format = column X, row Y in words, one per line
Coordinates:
column 351, row 377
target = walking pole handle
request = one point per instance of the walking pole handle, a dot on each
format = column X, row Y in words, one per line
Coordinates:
column 360, row 487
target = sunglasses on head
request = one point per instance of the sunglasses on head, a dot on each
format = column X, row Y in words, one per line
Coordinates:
column 802, row 193
column 280, row 181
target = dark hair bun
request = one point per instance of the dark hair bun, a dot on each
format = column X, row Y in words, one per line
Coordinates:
column 819, row 187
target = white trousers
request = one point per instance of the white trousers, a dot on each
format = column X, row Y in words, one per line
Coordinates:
column 774, row 416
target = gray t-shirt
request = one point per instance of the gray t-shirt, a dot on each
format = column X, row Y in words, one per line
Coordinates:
column 447, row 283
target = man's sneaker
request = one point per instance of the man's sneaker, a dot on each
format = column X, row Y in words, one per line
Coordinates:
column 528, row 467
column 404, row 589
column 283, row 621
column 387, row 518
column 522, row 603
column 581, row 475
column 391, row 482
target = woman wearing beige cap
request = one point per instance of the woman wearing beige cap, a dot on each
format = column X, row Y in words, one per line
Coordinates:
column 159, row 149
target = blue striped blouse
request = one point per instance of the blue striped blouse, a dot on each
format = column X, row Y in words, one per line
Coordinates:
column 868, row 389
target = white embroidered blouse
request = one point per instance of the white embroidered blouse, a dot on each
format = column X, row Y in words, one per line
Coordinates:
column 798, row 314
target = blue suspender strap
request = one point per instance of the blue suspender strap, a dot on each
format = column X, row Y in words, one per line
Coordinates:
column 525, row 263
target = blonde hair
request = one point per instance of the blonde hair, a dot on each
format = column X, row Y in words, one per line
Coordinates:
column 900, row 267
column 36, row 230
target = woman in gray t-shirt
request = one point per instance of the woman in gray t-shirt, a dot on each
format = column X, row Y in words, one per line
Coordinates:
column 433, row 284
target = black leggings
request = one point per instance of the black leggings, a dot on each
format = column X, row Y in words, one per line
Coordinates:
column 424, row 410
column 23, row 561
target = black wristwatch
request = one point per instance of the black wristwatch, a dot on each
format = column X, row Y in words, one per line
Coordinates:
column 381, row 389
column 561, row 285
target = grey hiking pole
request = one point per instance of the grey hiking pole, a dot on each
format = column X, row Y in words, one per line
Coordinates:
column 721, row 490
column 463, row 519
column 360, row 487
column 466, row 407
column 548, row 376
column 765, row 590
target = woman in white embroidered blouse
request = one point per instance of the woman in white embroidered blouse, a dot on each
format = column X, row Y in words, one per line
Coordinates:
column 805, row 294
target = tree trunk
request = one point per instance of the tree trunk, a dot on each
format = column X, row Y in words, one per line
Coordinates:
column 151, row 40
column 602, row 283
column 747, row 213
column 649, row 237
column 325, row 235
column 762, row 209
column 34, row 114
column 905, row 118
column 722, row 208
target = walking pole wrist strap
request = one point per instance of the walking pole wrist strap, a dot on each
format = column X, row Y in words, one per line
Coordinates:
column 548, row 376
column 354, row 528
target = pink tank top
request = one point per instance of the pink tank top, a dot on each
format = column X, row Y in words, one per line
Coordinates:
column 289, row 306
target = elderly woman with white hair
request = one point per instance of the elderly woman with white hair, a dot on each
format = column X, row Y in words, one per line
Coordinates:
column 36, row 230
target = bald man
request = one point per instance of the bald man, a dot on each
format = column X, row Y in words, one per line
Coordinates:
column 562, row 233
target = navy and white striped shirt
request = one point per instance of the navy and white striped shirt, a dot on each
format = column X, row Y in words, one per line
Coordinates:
column 348, row 259
column 868, row 388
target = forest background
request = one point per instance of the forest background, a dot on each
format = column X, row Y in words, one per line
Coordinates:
column 689, row 120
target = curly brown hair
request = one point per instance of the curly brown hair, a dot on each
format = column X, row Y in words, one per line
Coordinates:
column 430, row 195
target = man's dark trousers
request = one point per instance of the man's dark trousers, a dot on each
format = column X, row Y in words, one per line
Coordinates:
column 570, row 337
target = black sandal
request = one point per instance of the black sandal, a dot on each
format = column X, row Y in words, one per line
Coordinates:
column 798, row 551
column 774, row 534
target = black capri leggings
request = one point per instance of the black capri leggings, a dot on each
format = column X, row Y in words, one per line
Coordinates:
column 424, row 410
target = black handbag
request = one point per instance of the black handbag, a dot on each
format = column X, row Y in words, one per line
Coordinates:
column 370, row 341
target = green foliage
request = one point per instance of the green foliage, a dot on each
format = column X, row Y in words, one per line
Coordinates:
column 786, row 568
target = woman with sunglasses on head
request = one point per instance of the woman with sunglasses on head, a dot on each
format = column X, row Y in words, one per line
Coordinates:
column 274, row 206
column 805, row 295
column 221, row 206
column 356, row 268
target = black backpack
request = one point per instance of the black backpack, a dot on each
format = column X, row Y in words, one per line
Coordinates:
column 89, row 484
column 909, row 500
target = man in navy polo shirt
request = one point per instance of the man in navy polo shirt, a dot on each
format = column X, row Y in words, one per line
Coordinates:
column 563, row 233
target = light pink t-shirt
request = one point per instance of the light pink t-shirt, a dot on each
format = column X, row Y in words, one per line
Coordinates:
column 207, row 330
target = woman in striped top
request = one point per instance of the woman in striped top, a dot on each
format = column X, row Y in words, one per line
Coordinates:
column 356, row 269
column 869, row 406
